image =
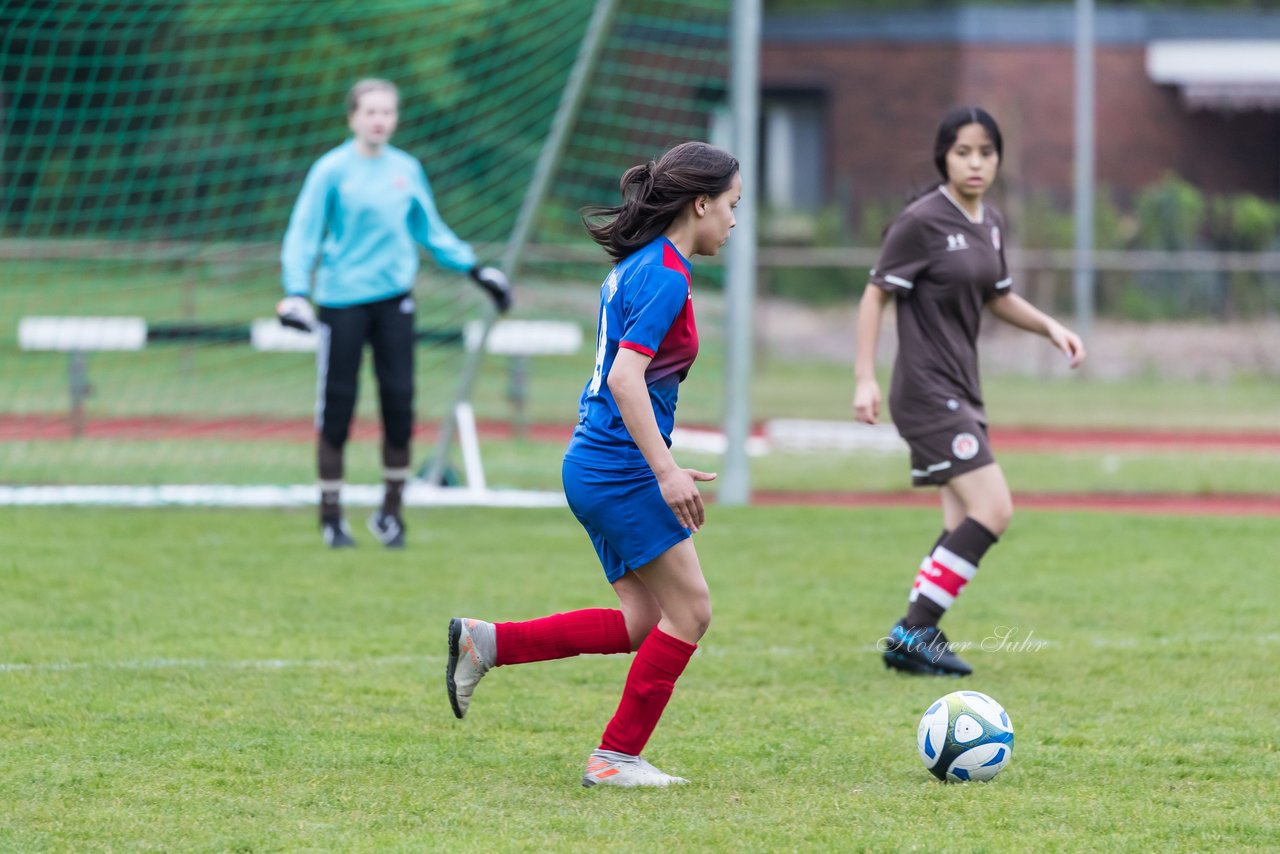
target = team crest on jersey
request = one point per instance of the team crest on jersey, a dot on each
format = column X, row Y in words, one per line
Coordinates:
column 401, row 182
column 965, row 446
column 995, row 237
column 956, row 242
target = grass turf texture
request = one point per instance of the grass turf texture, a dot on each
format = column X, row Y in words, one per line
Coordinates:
column 214, row 680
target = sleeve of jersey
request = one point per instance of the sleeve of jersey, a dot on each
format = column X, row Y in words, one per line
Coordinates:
column 305, row 232
column 650, row 306
column 903, row 257
column 1004, row 284
column 429, row 229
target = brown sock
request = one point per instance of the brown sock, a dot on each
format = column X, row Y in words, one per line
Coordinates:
column 329, row 464
column 395, row 471
column 954, row 560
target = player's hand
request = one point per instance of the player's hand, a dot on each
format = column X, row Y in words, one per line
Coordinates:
column 866, row 401
column 1068, row 342
column 494, row 282
column 296, row 313
column 680, row 491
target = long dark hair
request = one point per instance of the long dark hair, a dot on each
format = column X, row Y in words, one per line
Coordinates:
column 949, row 129
column 654, row 193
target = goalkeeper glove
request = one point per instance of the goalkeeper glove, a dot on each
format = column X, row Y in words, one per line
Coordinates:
column 297, row 313
column 494, row 282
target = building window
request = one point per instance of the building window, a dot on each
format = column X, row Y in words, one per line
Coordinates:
column 793, row 155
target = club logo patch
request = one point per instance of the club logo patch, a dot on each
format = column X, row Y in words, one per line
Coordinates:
column 407, row 305
column 995, row 237
column 965, row 446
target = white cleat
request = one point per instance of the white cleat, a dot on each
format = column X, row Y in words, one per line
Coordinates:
column 467, row 663
column 608, row 768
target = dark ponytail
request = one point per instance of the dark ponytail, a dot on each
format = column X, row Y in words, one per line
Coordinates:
column 654, row 194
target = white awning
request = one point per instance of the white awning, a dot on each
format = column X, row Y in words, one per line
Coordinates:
column 1234, row 74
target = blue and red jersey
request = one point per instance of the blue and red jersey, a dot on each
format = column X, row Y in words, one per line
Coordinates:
column 646, row 305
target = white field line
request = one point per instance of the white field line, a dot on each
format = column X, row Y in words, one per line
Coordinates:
column 793, row 435
column 991, row 645
column 211, row 664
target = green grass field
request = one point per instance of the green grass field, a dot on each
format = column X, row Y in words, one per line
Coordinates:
column 212, row 680
column 195, row 680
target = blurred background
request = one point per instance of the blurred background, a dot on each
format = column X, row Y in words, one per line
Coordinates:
column 152, row 152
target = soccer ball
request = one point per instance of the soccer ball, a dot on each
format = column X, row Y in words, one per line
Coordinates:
column 965, row 735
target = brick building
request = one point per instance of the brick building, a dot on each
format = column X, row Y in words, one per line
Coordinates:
column 850, row 100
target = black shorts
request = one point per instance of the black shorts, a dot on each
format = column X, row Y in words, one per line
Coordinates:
column 387, row 327
column 938, row 457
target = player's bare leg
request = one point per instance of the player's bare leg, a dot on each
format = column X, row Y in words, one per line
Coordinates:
column 677, row 586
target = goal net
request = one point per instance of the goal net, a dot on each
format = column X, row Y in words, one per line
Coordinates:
column 152, row 152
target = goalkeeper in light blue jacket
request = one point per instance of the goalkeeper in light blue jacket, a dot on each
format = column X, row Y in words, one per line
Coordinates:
column 364, row 209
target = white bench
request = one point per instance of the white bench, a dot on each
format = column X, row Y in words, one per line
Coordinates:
column 518, row 340
column 82, row 334
column 78, row 336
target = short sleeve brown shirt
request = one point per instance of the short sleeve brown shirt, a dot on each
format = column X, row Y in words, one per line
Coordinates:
column 942, row 267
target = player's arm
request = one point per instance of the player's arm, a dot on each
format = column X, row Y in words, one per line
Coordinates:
column 306, row 229
column 301, row 248
column 631, row 394
column 428, row 229
column 450, row 251
column 904, row 258
column 1016, row 311
column 866, row 394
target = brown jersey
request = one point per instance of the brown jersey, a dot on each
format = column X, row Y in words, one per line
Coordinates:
column 942, row 267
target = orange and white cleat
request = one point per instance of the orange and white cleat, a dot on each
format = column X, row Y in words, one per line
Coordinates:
column 609, row 768
column 468, row 661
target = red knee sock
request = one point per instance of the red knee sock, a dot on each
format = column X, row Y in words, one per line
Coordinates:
column 601, row 631
column 658, row 664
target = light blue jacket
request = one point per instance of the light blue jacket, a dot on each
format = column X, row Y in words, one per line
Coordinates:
column 360, row 218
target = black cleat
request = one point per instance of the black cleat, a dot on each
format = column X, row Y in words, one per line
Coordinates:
column 923, row 650
column 336, row 534
column 388, row 528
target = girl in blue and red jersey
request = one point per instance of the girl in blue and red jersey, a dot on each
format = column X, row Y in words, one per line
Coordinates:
column 639, row 507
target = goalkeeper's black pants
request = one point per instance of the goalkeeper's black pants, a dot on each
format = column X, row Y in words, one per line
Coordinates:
column 388, row 327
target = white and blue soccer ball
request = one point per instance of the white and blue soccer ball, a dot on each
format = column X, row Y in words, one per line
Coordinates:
column 965, row 735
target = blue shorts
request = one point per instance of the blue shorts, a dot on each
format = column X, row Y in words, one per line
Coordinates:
column 624, row 514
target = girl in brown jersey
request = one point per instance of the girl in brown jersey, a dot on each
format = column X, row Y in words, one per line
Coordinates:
column 943, row 262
